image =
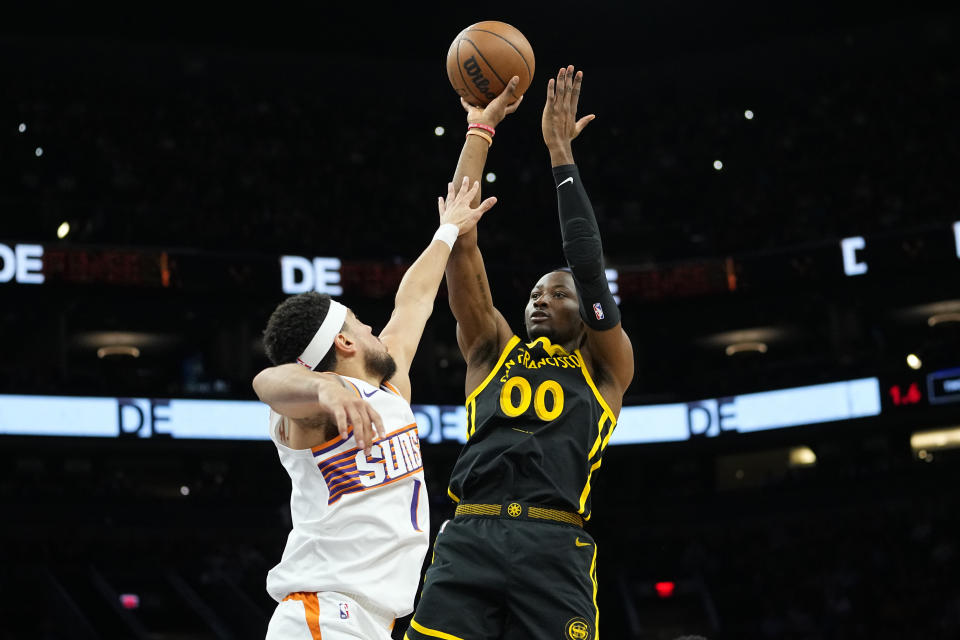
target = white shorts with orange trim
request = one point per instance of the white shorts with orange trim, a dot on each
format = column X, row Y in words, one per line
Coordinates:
column 326, row 616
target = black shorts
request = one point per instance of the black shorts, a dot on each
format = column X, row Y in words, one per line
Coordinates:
column 511, row 579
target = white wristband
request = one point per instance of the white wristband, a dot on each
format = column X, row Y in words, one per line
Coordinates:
column 447, row 233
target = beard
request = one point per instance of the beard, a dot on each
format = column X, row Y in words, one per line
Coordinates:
column 380, row 364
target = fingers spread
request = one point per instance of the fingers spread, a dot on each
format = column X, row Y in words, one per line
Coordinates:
column 583, row 122
column 568, row 86
column 469, row 194
column 487, row 204
column 575, row 90
column 463, row 191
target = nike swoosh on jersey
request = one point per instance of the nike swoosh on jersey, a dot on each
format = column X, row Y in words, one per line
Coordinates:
column 570, row 180
column 582, row 544
column 371, row 393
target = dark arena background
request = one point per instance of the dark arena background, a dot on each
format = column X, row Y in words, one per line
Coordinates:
column 777, row 189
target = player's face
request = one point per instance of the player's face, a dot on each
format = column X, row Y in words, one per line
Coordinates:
column 376, row 358
column 553, row 310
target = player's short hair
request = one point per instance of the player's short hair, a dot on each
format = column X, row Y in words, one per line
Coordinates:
column 563, row 269
column 292, row 326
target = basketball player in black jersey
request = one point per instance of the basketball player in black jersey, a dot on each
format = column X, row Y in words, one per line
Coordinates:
column 515, row 562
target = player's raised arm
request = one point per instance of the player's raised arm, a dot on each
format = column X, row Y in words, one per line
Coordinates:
column 606, row 340
column 418, row 288
column 314, row 398
column 480, row 327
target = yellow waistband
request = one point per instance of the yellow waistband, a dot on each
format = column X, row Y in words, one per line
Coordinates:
column 518, row 511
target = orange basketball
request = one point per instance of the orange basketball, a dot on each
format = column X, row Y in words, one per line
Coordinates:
column 484, row 56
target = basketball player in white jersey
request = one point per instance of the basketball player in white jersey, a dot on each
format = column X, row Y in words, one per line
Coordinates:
column 342, row 423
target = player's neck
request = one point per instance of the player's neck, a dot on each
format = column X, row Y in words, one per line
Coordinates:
column 354, row 369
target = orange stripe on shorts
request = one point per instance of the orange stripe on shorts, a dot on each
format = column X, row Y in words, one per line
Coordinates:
column 311, row 608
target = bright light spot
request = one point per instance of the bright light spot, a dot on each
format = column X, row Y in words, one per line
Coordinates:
column 664, row 589
column 63, row 230
column 22, row 127
column 802, row 457
column 118, row 350
column 439, row 131
column 717, row 165
column 913, row 361
column 936, row 439
column 129, row 600
column 38, row 151
column 491, row 177
column 745, row 347
column 748, row 114
column 184, row 490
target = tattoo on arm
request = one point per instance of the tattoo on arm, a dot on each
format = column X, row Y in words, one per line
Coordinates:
column 482, row 288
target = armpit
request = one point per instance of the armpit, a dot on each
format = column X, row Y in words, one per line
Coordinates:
column 483, row 354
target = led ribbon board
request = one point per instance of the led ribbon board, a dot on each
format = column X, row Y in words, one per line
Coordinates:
column 247, row 420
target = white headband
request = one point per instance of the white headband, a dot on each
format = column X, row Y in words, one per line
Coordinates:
column 324, row 337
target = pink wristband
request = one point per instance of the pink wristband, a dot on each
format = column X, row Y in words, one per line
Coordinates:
column 488, row 129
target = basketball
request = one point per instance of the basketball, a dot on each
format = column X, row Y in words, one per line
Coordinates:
column 482, row 59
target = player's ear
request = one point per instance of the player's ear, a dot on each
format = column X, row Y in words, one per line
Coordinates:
column 344, row 345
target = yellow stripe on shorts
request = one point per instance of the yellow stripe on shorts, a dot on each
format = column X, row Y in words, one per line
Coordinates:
column 433, row 633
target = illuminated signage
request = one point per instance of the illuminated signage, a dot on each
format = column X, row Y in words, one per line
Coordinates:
column 903, row 395
column 750, row 412
column 247, row 420
column 300, row 275
column 612, row 276
column 866, row 258
column 944, row 386
column 852, row 266
column 22, row 263
column 855, row 265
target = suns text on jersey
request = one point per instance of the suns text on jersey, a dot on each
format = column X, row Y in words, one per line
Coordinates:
column 390, row 459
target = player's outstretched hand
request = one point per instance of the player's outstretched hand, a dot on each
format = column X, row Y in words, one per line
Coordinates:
column 559, row 123
column 455, row 209
column 349, row 410
column 498, row 109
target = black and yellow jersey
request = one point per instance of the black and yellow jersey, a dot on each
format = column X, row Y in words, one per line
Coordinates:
column 536, row 431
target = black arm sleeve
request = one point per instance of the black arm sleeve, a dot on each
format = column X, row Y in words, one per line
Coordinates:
column 583, row 251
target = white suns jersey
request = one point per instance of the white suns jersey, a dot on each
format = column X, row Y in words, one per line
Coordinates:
column 360, row 523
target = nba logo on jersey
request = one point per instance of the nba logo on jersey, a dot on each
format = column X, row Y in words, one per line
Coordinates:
column 344, row 610
column 598, row 310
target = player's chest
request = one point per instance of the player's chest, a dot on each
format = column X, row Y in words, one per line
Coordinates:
column 537, row 387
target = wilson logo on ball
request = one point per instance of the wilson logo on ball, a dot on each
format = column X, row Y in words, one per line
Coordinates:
column 484, row 57
column 476, row 76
